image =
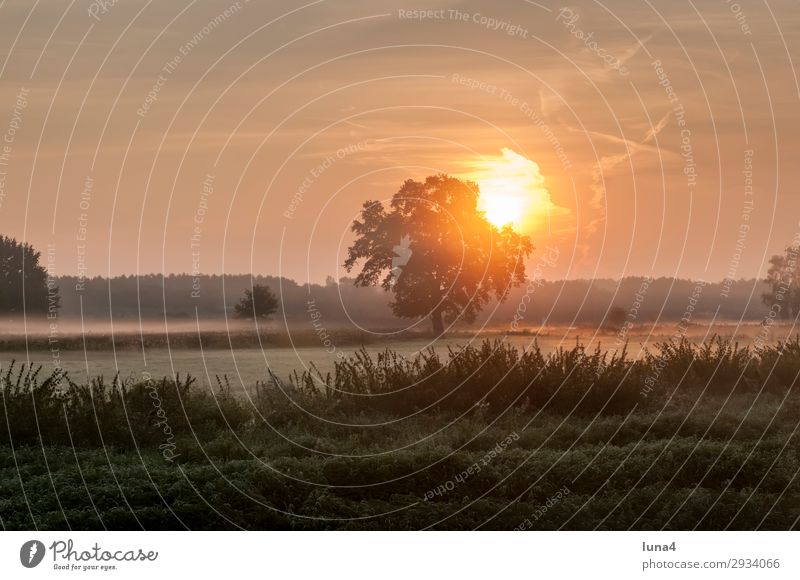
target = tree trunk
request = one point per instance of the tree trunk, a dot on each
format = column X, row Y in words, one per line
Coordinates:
column 436, row 319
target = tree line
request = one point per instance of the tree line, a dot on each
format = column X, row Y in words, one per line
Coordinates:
column 430, row 255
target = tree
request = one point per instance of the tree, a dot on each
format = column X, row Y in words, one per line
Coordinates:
column 436, row 251
column 615, row 318
column 22, row 275
column 259, row 302
column 783, row 278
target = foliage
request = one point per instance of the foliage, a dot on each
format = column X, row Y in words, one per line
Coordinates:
column 491, row 377
column 453, row 259
column 783, row 278
column 124, row 413
column 24, row 281
column 681, row 469
column 713, row 446
column 258, row 302
column 495, row 375
column 572, row 302
column 615, row 318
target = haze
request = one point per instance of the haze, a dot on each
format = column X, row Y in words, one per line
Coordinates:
column 244, row 137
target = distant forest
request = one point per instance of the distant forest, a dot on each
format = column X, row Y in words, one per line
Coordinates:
column 341, row 303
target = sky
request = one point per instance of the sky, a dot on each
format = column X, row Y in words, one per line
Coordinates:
column 642, row 137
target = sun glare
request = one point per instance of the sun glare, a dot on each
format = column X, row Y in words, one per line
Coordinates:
column 500, row 205
column 512, row 191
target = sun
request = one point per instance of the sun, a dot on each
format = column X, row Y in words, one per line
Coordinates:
column 512, row 191
column 501, row 202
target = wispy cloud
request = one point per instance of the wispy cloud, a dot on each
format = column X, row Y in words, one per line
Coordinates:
column 608, row 163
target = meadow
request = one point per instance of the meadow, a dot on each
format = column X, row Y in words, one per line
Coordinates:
column 245, row 355
column 488, row 436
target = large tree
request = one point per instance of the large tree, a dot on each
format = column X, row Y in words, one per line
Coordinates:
column 783, row 278
column 21, row 274
column 436, row 251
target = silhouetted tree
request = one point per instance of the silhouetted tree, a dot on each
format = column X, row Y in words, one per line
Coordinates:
column 20, row 269
column 615, row 318
column 436, row 251
column 259, row 302
column 783, row 278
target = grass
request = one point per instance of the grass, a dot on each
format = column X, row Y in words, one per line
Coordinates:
column 486, row 436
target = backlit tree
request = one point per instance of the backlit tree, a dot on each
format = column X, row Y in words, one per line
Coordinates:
column 436, row 251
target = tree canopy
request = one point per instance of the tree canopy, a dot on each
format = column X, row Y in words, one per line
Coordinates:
column 21, row 274
column 783, row 278
column 259, row 302
column 436, row 251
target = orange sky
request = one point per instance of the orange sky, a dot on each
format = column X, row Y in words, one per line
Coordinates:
column 266, row 127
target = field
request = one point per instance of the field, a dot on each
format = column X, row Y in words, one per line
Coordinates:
column 246, row 356
column 487, row 437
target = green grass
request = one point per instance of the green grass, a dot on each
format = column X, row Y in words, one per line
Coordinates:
column 712, row 446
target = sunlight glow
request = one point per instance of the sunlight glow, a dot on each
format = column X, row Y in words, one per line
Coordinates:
column 512, row 191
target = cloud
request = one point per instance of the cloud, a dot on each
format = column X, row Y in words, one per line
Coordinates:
column 608, row 163
column 513, row 185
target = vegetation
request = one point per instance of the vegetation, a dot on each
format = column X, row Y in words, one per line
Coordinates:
column 437, row 252
column 155, row 296
column 258, row 302
column 783, row 279
column 24, row 284
column 388, row 443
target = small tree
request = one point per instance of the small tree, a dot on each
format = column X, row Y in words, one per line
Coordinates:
column 436, row 251
column 257, row 303
column 783, row 278
column 615, row 318
column 21, row 274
